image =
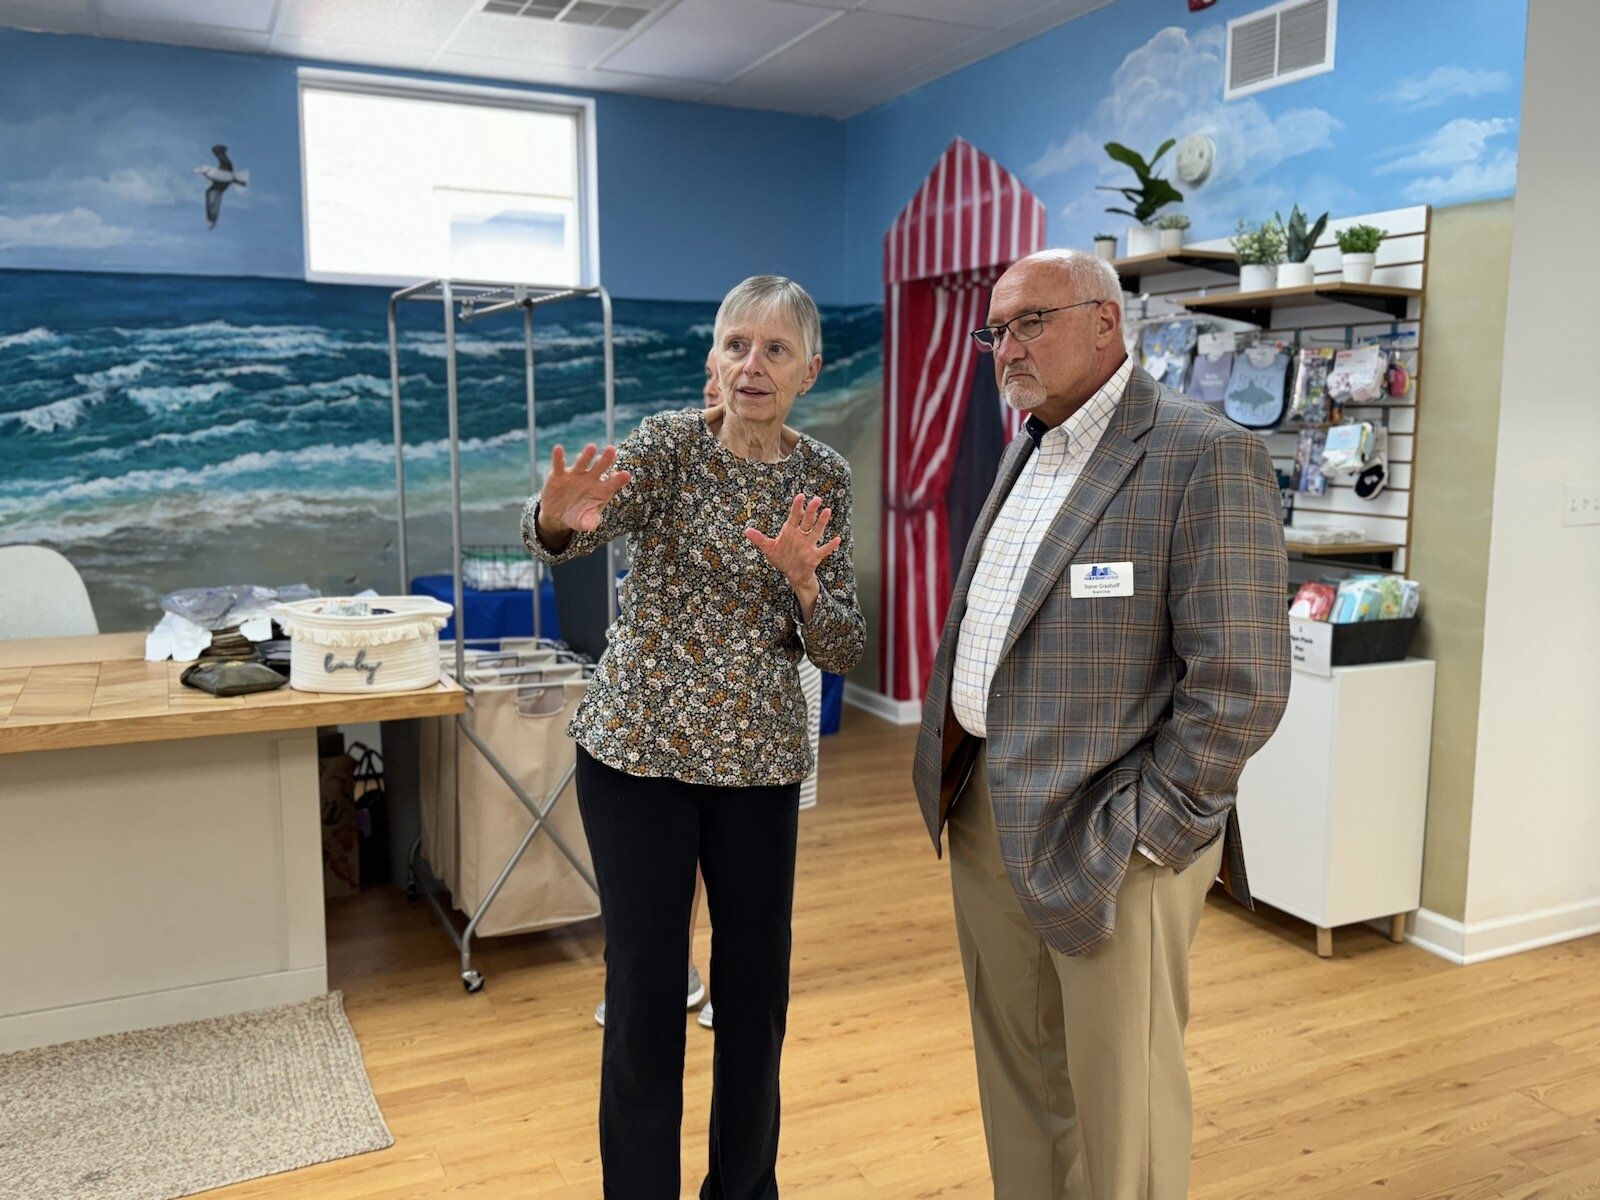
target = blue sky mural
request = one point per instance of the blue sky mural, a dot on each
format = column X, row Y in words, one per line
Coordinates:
column 101, row 175
column 1422, row 108
column 99, row 141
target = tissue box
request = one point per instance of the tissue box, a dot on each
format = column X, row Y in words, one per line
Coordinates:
column 372, row 644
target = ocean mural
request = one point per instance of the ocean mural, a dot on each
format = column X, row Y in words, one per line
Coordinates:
column 167, row 431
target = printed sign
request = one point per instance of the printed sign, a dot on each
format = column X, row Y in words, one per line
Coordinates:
column 1311, row 646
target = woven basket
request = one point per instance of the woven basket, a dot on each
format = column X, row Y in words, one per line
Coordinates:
column 393, row 651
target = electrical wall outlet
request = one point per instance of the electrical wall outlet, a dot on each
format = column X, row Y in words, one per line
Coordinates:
column 1580, row 505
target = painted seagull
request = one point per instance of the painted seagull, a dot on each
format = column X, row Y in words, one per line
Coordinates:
column 220, row 176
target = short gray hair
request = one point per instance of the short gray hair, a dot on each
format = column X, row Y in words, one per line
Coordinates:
column 761, row 293
column 1091, row 277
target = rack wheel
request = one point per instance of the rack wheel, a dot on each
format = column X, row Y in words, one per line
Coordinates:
column 472, row 981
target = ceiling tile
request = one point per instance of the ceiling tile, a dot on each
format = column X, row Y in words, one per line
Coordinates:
column 649, row 85
column 553, row 75
column 524, row 39
column 410, row 24
column 254, row 15
column 714, row 40
column 355, row 53
column 1058, row 13
column 857, row 48
column 982, row 14
column 209, row 37
column 936, row 67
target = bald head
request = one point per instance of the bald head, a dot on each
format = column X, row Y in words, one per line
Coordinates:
column 1080, row 345
column 1087, row 276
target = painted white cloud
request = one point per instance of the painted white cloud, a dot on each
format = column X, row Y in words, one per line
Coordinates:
column 1470, row 181
column 76, row 229
column 1449, row 83
column 1461, row 142
column 1170, row 87
column 155, row 185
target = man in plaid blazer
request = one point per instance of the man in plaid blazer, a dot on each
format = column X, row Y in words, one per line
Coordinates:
column 1117, row 647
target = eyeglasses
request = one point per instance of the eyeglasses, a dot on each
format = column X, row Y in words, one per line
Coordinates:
column 1024, row 328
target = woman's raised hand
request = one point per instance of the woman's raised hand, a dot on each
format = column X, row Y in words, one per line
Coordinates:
column 798, row 549
column 574, row 498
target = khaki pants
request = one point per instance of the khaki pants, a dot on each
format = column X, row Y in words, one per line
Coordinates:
column 1081, row 1071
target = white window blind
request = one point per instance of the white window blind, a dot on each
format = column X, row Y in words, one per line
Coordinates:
column 406, row 181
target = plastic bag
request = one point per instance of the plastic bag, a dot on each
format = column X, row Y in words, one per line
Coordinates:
column 225, row 607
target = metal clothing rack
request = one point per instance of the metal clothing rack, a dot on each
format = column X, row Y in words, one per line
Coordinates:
column 465, row 301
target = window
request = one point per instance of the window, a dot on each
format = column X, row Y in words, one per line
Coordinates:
column 406, row 180
column 1279, row 45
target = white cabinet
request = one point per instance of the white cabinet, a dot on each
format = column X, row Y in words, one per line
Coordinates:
column 1332, row 808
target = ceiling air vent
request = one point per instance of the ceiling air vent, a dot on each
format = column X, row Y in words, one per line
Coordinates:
column 571, row 12
column 1279, row 45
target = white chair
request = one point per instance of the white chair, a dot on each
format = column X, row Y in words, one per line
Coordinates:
column 42, row 595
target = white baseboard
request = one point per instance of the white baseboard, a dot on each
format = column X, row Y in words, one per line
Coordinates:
column 1479, row 941
column 46, row 1027
column 897, row 712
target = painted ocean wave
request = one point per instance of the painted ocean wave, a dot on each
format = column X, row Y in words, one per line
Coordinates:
column 37, row 336
column 158, row 400
column 147, row 419
column 57, row 415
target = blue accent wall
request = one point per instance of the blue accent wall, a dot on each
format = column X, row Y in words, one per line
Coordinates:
column 99, row 140
column 1422, row 108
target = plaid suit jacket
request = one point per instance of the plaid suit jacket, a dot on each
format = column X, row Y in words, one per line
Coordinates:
column 1125, row 719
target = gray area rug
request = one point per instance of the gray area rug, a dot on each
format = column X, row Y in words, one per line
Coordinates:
column 186, row 1108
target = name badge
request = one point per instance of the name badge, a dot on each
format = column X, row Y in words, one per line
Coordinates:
column 1090, row 581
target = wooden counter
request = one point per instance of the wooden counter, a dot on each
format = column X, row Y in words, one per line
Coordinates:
column 165, row 845
column 63, row 693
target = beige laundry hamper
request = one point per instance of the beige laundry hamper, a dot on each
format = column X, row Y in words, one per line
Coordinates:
column 472, row 822
column 437, row 738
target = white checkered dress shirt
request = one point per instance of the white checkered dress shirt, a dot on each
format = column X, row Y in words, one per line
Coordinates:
column 1041, row 489
column 1046, row 480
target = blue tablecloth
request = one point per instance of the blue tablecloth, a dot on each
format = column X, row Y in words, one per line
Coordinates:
column 493, row 614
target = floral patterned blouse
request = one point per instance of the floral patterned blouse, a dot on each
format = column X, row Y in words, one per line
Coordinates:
column 698, row 681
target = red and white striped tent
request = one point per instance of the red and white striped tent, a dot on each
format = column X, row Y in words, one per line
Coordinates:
column 968, row 222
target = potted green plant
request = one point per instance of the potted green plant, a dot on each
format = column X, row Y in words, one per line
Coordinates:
column 1359, row 246
column 1259, row 250
column 1299, row 241
column 1172, row 226
column 1152, row 194
column 1105, row 246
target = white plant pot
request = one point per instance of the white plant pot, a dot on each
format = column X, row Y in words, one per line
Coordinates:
column 1358, row 267
column 1172, row 239
column 1293, row 275
column 1254, row 277
column 1143, row 239
column 1105, row 248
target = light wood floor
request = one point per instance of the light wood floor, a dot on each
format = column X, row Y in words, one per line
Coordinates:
column 1384, row 1072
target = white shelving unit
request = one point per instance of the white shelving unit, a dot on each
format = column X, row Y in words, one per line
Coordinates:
column 1332, row 808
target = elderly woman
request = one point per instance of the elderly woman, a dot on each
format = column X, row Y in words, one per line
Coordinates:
column 692, row 739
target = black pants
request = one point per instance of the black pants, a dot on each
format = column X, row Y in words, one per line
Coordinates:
column 645, row 836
